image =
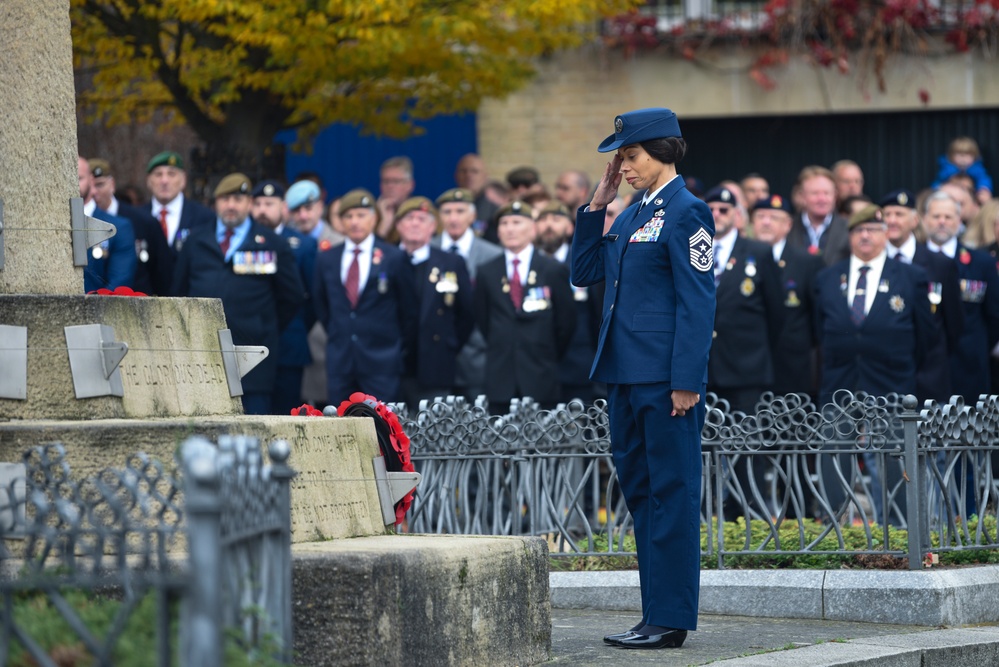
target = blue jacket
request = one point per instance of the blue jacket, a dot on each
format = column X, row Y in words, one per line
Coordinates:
column 374, row 338
column 882, row 354
column 294, row 338
column 970, row 372
column 111, row 263
column 976, row 171
column 659, row 303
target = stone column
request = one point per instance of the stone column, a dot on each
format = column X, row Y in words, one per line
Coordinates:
column 38, row 148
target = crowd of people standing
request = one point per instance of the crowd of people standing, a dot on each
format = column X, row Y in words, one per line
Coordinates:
column 467, row 291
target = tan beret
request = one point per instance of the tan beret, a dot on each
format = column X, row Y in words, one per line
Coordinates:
column 357, row 198
column 233, row 184
column 456, row 195
column 99, row 167
column 516, row 207
column 870, row 213
column 415, row 204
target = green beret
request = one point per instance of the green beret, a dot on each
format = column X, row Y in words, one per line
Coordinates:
column 456, row 195
column 555, row 207
column 166, row 158
column 357, row 198
column 870, row 213
column 516, row 207
column 233, row 184
column 99, row 167
column 415, row 204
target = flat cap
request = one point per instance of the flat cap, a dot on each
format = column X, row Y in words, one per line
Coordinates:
column 554, row 207
column 898, row 198
column 870, row 213
column 516, row 207
column 456, row 195
column 641, row 125
column 357, row 198
column 269, row 188
column 772, row 203
column 233, row 184
column 99, row 167
column 302, row 193
column 719, row 194
column 415, row 204
column 165, row 159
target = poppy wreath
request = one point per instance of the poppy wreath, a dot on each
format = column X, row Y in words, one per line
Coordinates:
column 392, row 440
column 118, row 291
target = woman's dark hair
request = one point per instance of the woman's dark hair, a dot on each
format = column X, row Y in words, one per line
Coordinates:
column 669, row 150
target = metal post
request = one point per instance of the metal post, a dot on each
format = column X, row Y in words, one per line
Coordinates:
column 201, row 630
column 914, row 489
column 282, row 473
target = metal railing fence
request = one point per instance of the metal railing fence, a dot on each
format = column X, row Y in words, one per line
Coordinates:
column 798, row 474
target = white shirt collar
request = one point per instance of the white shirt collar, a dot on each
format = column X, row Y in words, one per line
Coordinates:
column 419, row 255
column 872, row 279
column 725, row 245
column 89, row 207
column 949, row 248
column 907, row 249
column 652, row 195
column 464, row 242
column 562, row 253
column 779, row 249
column 525, row 257
column 366, row 245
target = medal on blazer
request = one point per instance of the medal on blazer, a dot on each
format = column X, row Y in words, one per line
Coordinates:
column 973, row 291
column 259, row 239
column 935, row 295
column 579, row 293
column 434, row 274
column 965, row 256
column 294, row 242
column 842, row 283
column 448, row 284
column 536, row 299
column 140, row 250
column 178, row 240
column 532, row 278
column 897, row 303
column 376, row 256
column 792, row 300
column 383, row 283
column 259, row 263
column 747, row 287
column 750, row 267
column 506, row 285
column 98, row 251
column 883, row 287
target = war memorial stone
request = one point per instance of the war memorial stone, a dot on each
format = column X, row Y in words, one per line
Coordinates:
column 108, row 376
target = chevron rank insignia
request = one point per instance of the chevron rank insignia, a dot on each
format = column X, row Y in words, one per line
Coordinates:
column 701, row 255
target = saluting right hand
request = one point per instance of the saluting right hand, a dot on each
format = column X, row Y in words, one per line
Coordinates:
column 607, row 187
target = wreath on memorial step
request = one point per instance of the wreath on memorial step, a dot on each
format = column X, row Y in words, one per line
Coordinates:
column 118, row 291
column 392, row 440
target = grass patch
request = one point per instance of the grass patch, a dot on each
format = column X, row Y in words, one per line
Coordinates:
column 815, row 536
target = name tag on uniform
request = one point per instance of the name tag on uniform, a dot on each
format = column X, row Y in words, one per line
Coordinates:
column 260, row 262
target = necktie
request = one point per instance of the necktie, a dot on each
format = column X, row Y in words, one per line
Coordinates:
column 455, row 249
column 353, row 279
column 899, row 257
column 857, row 313
column 516, row 289
column 163, row 223
column 225, row 241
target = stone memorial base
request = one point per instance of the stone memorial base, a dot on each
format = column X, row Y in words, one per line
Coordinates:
column 334, row 494
column 422, row 600
column 173, row 366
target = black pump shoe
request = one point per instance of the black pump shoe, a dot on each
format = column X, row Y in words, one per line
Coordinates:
column 614, row 639
column 669, row 639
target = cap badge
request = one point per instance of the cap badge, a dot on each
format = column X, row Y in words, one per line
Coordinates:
column 903, row 199
column 365, row 201
column 268, row 190
column 244, row 187
column 726, row 195
column 776, row 201
column 459, row 195
column 618, row 125
column 515, row 206
column 172, row 161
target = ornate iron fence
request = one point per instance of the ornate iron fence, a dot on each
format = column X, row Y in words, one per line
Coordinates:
column 123, row 532
column 800, row 470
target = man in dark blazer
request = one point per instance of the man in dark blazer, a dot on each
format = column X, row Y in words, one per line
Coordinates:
column 795, row 359
column 447, row 309
column 525, row 311
column 970, row 372
column 365, row 299
column 270, row 211
column 875, row 329
column 110, row 263
column 253, row 271
column 176, row 214
column 555, row 229
column 749, row 313
column 154, row 260
column 818, row 229
column 933, row 379
column 458, row 214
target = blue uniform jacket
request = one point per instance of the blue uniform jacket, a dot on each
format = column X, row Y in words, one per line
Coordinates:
column 116, row 265
column 447, row 317
column 882, row 354
column 259, row 287
column 294, row 338
column 659, row 303
column 154, row 268
column 374, row 338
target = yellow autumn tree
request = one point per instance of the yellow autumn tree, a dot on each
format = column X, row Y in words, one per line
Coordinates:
column 239, row 71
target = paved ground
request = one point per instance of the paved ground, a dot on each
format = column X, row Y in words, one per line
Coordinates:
column 577, row 637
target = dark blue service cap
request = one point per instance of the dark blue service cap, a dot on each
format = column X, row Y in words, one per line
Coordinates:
column 898, row 198
column 641, row 125
column 269, row 188
column 720, row 194
column 772, row 203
